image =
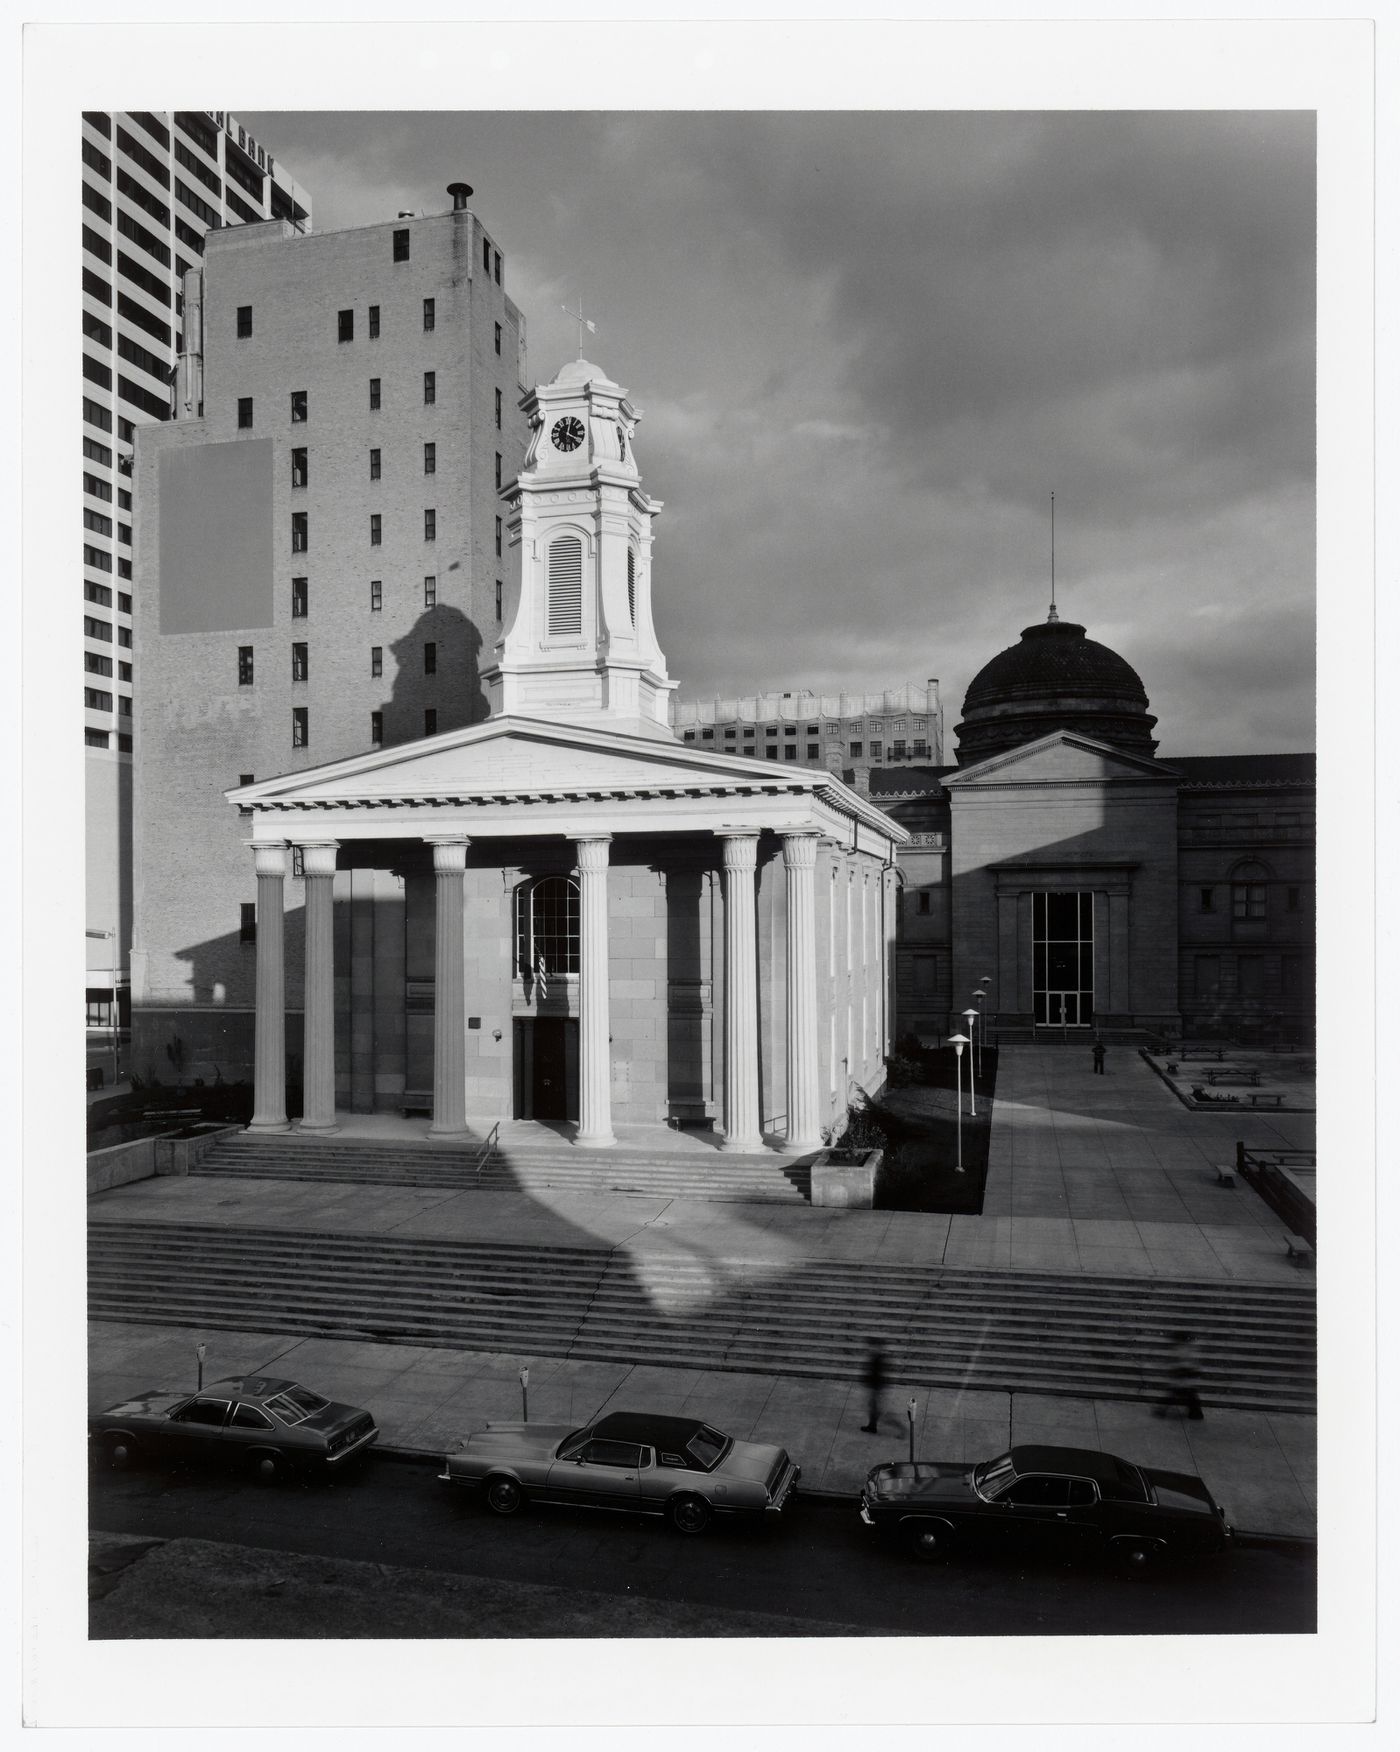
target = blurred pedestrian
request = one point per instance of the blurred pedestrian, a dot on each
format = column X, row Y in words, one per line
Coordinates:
column 1184, row 1379
column 1100, row 1054
column 874, row 1383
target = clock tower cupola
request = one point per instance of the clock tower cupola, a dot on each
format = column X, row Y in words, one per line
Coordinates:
column 581, row 647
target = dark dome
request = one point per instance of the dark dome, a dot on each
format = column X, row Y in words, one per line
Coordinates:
column 1055, row 679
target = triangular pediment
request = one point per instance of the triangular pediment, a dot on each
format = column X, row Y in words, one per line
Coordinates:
column 1062, row 758
column 514, row 756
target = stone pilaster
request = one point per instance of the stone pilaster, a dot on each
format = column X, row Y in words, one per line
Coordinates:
column 803, row 1058
column 449, row 992
column 318, row 1075
column 270, row 1019
column 742, row 1129
column 594, row 1048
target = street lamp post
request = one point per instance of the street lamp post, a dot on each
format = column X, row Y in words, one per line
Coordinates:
column 958, row 1042
column 971, row 1070
column 977, row 997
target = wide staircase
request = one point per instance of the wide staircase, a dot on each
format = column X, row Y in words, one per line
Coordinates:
column 521, row 1167
column 1023, row 1331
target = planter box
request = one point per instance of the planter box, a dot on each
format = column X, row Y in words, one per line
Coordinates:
column 846, row 1185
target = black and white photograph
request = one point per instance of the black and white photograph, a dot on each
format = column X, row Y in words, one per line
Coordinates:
column 717, row 1012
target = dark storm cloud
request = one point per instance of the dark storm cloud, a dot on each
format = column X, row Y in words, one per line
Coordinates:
column 868, row 345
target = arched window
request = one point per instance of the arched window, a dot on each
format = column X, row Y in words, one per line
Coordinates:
column 565, row 586
column 546, row 928
column 1249, row 890
column 632, row 586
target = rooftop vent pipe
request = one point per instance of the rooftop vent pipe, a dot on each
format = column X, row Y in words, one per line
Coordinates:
column 461, row 193
column 406, row 213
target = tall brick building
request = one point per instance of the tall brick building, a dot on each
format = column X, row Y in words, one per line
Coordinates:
column 321, row 561
column 1100, row 886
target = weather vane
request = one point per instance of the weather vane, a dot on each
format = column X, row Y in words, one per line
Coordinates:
column 582, row 321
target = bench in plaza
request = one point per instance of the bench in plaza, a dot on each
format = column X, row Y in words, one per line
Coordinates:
column 1200, row 1052
column 1265, row 1098
column 1300, row 1250
column 1232, row 1074
column 1223, row 1176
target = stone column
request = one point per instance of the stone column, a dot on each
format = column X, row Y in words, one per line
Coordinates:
column 594, row 1048
column 449, row 993
column 270, row 1019
column 741, row 1109
column 318, row 1053
column 803, row 1058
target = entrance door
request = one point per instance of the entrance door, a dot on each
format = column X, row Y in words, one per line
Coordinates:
column 1062, row 946
column 546, row 1068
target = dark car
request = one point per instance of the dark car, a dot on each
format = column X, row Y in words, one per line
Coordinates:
column 677, row 1467
column 259, row 1421
column 1060, row 1503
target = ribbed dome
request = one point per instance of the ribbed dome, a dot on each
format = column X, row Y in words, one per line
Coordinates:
column 1055, row 679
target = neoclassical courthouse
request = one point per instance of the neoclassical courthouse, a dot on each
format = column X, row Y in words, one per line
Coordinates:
column 412, row 832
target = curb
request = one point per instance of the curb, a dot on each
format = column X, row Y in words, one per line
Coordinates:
column 1286, row 1542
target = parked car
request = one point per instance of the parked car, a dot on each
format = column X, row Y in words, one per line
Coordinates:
column 1055, row 1502
column 677, row 1467
column 264, row 1423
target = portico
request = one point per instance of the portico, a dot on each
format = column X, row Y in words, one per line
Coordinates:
column 693, row 951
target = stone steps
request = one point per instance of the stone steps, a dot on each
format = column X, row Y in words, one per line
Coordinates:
column 711, row 1176
column 1026, row 1331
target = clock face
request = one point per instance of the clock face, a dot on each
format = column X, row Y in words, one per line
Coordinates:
column 568, row 433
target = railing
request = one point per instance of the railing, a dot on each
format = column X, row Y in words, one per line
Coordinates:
column 1260, row 1168
column 488, row 1149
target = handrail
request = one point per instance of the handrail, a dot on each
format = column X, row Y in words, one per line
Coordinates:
column 487, row 1150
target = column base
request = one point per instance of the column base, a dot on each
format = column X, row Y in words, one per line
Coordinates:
column 457, row 1132
column 802, row 1146
column 595, row 1140
column 269, row 1125
column 318, row 1131
column 750, row 1146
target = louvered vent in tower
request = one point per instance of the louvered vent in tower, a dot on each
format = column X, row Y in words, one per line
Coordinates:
column 565, row 586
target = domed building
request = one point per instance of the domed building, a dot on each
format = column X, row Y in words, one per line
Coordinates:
column 1055, row 679
column 1098, row 887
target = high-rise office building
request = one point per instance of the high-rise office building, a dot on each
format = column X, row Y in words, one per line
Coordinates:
column 326, row 568
column 154, row 186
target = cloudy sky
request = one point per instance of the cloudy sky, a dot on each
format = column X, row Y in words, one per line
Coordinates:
column 869, row 345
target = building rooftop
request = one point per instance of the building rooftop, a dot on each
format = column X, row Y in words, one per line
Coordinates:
column 1199, row 770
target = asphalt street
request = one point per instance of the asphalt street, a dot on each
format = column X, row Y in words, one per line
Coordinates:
column 391, row 1552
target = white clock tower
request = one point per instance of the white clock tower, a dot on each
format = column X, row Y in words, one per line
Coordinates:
column 581, row 647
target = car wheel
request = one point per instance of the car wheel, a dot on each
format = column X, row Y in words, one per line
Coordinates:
column 504, row 1496
column 119, row 1451
column 688, row 1514
column 1135, row 1556
column 930, row 1541
column 267, row 1468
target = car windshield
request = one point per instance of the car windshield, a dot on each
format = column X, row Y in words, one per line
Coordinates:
column 708, row 1447
column 570, row 1442
column 296, row 1404
column 992, row 1476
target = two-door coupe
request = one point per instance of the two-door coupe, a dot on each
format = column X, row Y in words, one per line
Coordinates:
column 262, row 1422
column 677, row 1467
column 1048, row 1501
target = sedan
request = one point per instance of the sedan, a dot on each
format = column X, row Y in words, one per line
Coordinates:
column 676, row 1467
column 263, row 1423
column 1052, row 1502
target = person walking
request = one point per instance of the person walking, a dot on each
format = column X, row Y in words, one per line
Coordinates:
column 874, row 1383
column 1184, row 1376
column 1100, row 1054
